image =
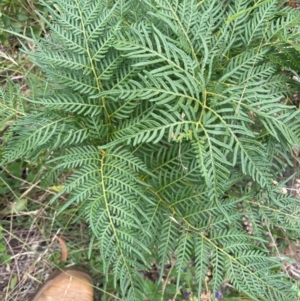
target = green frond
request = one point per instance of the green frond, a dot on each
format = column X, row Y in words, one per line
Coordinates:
column 242, row 63
column 251, row 272
column 253, row 161
column 108, row 183
column 42, row 132
column 276, row 209
column 96, row 24
column 285, row 55
column 72, row 103
column 167, row 240
column 98, row 130
column 152, row 129
column 285, row 25
column 218, row 260
column 202, row 259
column 11, row 106
column 90, row 10
column 259, row 22
column 183, row 253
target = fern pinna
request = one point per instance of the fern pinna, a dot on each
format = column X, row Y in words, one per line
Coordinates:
column 170, row 115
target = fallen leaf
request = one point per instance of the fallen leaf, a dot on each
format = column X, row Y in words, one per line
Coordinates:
column 64, row 249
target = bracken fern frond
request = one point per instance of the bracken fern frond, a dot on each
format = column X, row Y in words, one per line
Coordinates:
column 169, row 117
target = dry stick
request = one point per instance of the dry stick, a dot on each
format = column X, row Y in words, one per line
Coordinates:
column 64, row 249
column 275, row 246
column 17, row 266
column 26, row 182
column 29, row 189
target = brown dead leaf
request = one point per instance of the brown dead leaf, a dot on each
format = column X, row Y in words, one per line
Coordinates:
column 64, row 249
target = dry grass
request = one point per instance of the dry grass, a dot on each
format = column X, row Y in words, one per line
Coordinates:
column 34, row 253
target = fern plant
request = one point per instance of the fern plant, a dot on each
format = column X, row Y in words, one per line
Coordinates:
column 170, row 115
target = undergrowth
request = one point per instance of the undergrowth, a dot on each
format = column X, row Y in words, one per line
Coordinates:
column 171, row 123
